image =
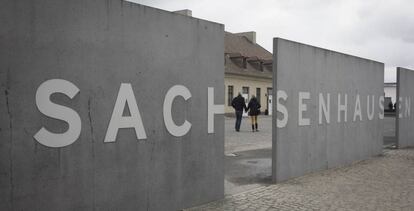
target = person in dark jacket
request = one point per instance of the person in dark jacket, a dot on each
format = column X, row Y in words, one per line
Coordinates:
column 239, row 105
column 390, row 106
column 254, row 110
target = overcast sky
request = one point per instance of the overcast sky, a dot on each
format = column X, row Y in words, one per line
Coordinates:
column 382, row 30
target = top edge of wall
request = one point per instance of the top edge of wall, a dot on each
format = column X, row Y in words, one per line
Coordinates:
column 325, row 49
column 171, row 12
column 403, row 68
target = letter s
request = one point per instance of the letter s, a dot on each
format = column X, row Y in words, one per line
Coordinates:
column 50, row 109
column 281, row 123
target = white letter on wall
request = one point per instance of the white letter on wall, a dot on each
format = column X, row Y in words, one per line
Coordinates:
column 125, row 95
column 407, row 107
column 343, row 108
column 325, row 107
column 173, row 129
column 357, row 110
column 370, row 113
column 381, row 106
column 282, row 109
column 212, row 109
column 399, row 107
column 50, row 109
column 303, row 108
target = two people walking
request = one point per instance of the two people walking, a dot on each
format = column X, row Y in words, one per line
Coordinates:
column 253, row 108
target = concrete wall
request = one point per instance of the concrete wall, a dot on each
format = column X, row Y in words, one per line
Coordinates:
column 300, row 147
column 240, row 81
column 405, row 107
column 97, row 45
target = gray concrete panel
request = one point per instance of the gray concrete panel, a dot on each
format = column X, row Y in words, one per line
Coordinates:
column 303, row 148
column 97, row 45
column 405, row 107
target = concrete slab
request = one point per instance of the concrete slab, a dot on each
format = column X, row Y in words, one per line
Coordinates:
column 405, row 107
column 97, row 45
column 329, row 109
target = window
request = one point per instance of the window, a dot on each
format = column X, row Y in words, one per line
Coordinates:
column 269, row 91
column 258, row 94
column 245, row 92
column 229, row 95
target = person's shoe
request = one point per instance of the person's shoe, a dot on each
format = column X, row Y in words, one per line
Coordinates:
column 237, row 130
column 257, row 130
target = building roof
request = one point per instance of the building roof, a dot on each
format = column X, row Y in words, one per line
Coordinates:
column 245, row 57
column 240, row 44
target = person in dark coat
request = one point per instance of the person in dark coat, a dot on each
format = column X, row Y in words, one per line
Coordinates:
column 239, row 105
column 254, row 111
column 390, row 106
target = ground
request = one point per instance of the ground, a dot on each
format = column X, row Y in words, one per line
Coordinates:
column 248, row 155
column 381, row 183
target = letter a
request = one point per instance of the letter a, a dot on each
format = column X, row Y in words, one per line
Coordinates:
column 357, row 110
column 125, row 95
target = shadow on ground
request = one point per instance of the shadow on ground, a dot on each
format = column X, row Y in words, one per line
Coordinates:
column 248, row 169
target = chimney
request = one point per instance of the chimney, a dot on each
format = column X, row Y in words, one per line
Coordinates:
column 185, row 12
column 249, row 35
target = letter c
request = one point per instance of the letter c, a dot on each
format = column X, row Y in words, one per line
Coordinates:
column 173, row 129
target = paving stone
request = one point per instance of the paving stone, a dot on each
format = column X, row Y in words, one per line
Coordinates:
column 381, row 183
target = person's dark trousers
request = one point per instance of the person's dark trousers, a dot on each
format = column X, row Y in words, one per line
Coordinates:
column 238, row 119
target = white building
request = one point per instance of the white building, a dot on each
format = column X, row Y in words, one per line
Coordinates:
column 390, row 92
